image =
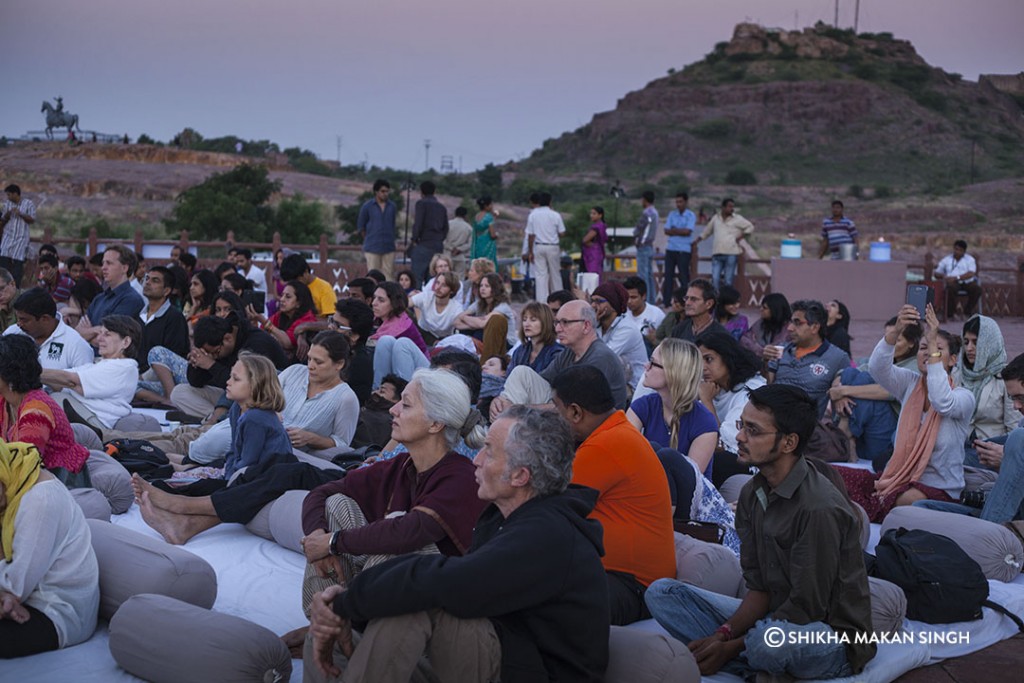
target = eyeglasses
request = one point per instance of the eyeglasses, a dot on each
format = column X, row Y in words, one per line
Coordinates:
column 655, row 365
column 335, row 325
column 753, row 431
column 563, row 322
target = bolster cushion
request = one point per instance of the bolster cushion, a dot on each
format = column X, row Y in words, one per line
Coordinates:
column 994, row 547
column 110, row 478
column 888, row 606
column 131, row 563
column 93, row 503
column 164, row 640
column 636, row 656
column 709, row 566
column 286, row 520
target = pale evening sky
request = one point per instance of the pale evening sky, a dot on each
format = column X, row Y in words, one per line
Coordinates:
column 485, row 80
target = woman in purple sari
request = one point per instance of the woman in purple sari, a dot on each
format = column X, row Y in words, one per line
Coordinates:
column 594, row 241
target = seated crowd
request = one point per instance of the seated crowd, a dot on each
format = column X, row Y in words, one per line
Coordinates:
column 445, row 434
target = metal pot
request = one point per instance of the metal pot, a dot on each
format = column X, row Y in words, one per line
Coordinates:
column 847, row 252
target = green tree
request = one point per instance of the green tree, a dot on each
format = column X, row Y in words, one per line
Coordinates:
column 489, row 181
column 234, row 200
column 299, row 221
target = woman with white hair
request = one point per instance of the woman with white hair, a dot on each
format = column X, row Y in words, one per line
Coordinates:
column 424, row 500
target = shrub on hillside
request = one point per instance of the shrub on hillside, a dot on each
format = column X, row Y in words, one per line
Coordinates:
column 713, row 129
column 740, row 176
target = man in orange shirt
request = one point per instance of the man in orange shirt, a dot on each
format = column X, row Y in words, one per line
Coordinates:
column 633, row 504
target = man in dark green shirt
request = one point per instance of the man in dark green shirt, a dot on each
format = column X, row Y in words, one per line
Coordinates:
column 807, row 613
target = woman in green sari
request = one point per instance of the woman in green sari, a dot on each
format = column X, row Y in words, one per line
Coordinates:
column 485, row 238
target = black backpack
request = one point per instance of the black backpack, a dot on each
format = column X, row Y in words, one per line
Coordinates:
column 943, row 585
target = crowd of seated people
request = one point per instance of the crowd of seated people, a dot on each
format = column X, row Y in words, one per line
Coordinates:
column 639, row 419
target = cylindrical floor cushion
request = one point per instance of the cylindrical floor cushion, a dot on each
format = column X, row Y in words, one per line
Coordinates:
column 636, row 656
column 164, row 640
column 131, row 563
column 709, row 566
column 991, row 545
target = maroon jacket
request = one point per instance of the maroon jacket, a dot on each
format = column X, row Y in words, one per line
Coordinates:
column 441, row 506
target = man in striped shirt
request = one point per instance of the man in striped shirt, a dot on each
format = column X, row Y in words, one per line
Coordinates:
column 837, row 230
column 15, row 217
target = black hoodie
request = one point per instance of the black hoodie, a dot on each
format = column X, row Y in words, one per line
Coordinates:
column 537, row 575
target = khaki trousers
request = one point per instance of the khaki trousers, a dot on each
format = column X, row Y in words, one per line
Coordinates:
column 391, row 649
column 385, row 263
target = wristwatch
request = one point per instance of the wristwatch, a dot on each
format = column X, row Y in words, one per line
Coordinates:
column 333, row 546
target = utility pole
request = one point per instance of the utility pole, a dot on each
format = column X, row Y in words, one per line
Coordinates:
column 426, row 144
column 836, row 22
column 340, row 138
column 856, row 16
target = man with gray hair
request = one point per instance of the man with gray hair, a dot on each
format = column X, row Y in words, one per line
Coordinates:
column 528, row 602
column 576, row 330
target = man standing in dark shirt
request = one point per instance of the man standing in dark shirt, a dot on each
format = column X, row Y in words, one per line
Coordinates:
column 429, row 231
column 808, row 611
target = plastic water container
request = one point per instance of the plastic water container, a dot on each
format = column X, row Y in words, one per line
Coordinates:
column 792, row 248
column 880, row 251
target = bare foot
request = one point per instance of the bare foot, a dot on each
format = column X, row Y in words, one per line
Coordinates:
column 295, row 640
column 157, row 497
column 160, row 521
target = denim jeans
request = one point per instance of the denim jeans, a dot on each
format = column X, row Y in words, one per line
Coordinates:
column 690, row 613
column 645, row 271
column 674, row 261
column 723, row 263
column 1005, row 502
column 420, row 266
column 399, row 355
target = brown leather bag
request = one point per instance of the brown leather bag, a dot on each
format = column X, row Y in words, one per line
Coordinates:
column 709, row 532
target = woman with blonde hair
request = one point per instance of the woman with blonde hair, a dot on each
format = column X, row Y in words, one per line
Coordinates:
column 673, row 416
column 478, row 267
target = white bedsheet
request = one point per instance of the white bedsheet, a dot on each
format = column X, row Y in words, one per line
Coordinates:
column 261, row 581
column 256, row 579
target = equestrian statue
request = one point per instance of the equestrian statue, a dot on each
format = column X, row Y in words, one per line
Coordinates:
column 56, row 117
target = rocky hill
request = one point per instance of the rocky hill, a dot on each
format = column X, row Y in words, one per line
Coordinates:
column 818, row 106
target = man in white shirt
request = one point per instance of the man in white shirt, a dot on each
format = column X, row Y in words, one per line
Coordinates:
column 616, row 330
column 249, row 270
column 960, row 272
column 647, row 317
column 544, row 227
column 60, row 347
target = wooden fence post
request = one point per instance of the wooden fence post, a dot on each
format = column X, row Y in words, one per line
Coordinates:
column 93, row 244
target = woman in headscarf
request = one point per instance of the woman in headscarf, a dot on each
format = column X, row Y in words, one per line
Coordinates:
column 981, row 359
column 49, row 579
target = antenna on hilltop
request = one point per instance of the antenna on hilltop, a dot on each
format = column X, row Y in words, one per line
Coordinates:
column 836, row 22
column 856, row 16
column 426, row 144
column 339, row 140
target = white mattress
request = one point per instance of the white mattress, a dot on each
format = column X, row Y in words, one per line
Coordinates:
column 261, row 581
column 256, row 579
